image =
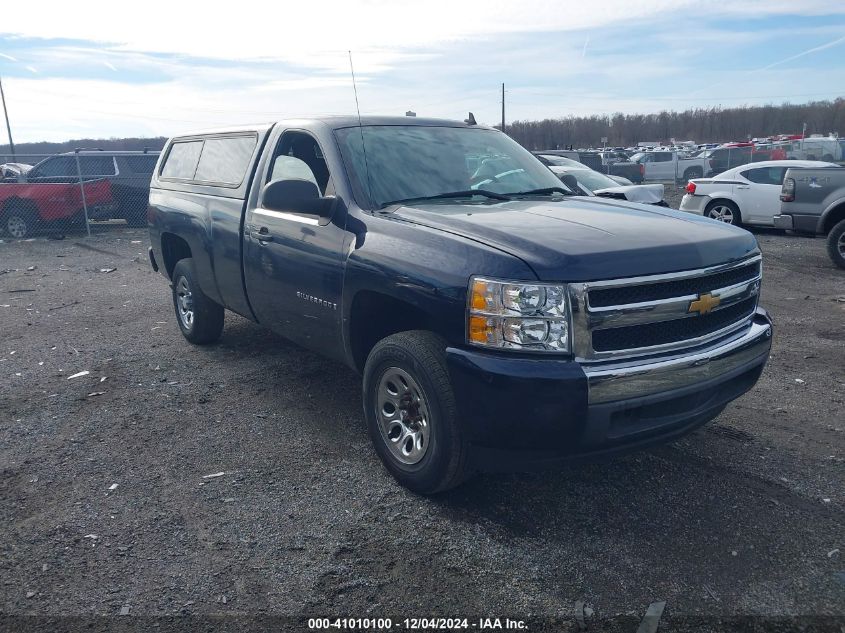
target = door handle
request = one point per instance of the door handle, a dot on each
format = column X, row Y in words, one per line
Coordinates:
column 262, row 234
column 743, row 186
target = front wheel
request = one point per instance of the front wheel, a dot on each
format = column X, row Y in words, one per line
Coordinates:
column 836, row 244
column 724, row 211
column 200, row 319
column 411, row 413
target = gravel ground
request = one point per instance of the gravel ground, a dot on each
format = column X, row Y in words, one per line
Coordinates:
column 239, row 478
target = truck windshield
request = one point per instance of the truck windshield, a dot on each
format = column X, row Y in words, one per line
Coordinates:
column 410, row 162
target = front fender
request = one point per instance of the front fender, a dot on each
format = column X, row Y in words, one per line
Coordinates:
column 424, row 268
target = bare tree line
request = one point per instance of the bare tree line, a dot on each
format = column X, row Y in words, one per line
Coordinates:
column 114, row 144
column 703, row 125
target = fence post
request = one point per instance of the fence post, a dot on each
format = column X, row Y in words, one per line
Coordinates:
column 82, row 189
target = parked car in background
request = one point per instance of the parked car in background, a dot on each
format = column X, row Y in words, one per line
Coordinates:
column 13, row 172
column 720, row 159
column 816, row 147
column 128, row 172
column 611, row 157
column 669, row 165
column 813, row 201
column 748, row 194
column 26, row 208
column 625, row 169
column 602, row 185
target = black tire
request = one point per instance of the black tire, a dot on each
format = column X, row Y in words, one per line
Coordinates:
column 205, row 323
column 712, row 210
column 811, row 157
column 828, row 158
column 20, row 221
column 836, row 244
column 693, row 172
column 420, row 355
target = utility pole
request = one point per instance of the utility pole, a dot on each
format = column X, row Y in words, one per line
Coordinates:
column 9, row 127
column 503, row 107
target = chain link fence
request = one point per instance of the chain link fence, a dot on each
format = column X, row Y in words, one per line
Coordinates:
column 78, row 192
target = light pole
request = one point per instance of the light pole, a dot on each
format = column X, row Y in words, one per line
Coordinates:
column 6, row 114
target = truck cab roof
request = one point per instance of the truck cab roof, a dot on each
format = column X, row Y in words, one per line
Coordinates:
column 337, row 122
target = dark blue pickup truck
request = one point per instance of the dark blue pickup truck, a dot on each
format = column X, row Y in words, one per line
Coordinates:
column 499, row 322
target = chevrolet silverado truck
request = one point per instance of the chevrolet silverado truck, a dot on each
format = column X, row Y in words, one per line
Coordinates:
column 813, row 201
column 26, row 208
column 498, row 321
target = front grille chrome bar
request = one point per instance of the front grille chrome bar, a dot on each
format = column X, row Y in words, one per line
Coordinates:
column 586, row 318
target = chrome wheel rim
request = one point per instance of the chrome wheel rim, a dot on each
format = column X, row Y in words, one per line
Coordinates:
column 841, row 245
column 185, row 303
column 16, row 226
column 403, row 416
column 722, row 213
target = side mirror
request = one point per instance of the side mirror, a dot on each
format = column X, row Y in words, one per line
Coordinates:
column 296, row 195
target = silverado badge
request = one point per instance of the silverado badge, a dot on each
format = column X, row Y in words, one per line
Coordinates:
column 704, row 304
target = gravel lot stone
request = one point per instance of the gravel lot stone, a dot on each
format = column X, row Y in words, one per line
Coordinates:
column 745, row 516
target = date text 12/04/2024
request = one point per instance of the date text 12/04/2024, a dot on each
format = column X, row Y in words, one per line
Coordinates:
column 417, row 624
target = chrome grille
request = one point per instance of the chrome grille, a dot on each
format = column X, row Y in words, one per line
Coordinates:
column 647, row 315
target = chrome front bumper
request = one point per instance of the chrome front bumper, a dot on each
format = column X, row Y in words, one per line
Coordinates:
column 635, row 379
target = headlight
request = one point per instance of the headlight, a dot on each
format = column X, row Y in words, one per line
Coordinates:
column 518, row 316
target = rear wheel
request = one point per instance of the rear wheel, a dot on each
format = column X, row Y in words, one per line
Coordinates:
column 724, row 211
column 411, row 413
column 836, row 244
column 200, row 319
column 828, row 158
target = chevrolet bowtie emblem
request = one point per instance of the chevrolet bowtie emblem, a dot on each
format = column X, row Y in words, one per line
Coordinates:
column 704, row 304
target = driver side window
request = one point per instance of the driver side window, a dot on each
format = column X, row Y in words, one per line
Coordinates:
column 298, row 156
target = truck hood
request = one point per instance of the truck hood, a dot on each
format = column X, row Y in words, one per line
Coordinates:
column 647, row 194
column 584, row 239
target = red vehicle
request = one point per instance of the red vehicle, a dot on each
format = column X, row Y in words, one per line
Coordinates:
column 28, row 207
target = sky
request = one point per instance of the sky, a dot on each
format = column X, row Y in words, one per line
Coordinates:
column 104, row 69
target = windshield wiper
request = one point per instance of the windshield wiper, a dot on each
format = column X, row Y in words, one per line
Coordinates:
column 541, row 192
column 450, row 194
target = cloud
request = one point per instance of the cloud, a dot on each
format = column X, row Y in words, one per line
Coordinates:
column 151, row 75
column 301, row 33
column 809, row 51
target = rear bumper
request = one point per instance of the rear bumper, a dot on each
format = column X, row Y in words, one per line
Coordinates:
column 694, row 204
column 783, row 222
column 795, row 222
column 536, row 413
